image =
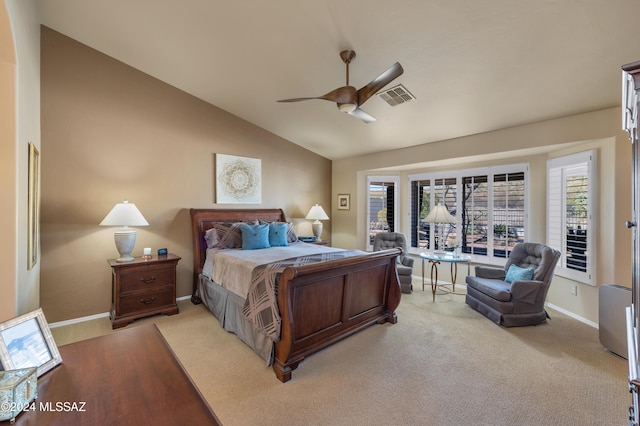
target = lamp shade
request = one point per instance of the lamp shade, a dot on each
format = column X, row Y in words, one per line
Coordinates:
column 317, row 213
column 440, row 214
column 124, row 214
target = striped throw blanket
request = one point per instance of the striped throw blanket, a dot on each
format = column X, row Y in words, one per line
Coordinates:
column 261, row 305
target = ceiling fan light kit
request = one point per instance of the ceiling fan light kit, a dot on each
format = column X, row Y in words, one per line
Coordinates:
column 348, row 108
column 347, row 98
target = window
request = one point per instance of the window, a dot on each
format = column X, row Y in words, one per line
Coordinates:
column 570, row 214
column 475, row 214
column 489, row 205
column 508, row 212
column 426, row 194
column 382, row 206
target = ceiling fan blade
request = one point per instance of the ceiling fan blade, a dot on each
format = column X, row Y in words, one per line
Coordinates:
column 341, row 95
column 295, row 99
column 362, row 116
column 379, row 82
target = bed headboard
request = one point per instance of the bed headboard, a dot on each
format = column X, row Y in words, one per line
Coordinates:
column 203, row 219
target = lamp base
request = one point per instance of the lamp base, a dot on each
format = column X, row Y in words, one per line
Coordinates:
column 317, row 229
column 125, row 259
column 125, row 241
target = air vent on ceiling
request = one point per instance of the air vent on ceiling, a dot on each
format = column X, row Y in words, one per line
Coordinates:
column 396, row 95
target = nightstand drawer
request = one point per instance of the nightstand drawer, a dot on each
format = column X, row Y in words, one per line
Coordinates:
column 145, row 279
column 146, row 300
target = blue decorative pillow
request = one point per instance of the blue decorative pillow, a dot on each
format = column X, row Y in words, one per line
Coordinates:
column 254, row 236
column 516, row 273
column 278, row 234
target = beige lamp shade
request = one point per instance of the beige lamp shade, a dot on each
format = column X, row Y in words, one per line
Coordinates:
column 124, row 214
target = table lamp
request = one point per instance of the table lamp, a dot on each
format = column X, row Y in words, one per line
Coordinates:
column 440, row 215
column 317, row 214
column 125, row 214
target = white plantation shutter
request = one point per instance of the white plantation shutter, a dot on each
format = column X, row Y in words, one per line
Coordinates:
column 571, row 214
column 382, row 206
column 554, row 207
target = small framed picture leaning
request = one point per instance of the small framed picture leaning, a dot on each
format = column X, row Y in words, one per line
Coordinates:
column 26, row 341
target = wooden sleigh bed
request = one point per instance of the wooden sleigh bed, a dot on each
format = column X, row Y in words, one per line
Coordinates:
column 319, row 303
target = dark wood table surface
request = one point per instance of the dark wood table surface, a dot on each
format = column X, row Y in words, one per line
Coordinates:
column 128, row 377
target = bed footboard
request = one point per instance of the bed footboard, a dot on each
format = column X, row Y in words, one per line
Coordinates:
column 322, row 303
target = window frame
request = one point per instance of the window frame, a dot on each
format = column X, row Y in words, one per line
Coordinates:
column 557, row 218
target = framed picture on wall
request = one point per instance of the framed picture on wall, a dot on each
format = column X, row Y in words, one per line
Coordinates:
column 344, row 202
column 26, row 341
column 238, row 180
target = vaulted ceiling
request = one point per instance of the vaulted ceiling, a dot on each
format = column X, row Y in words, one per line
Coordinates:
column 472, row 66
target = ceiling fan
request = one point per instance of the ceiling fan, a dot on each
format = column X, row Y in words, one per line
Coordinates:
column 348, row 98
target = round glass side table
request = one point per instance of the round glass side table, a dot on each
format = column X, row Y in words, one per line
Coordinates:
column 435, row 259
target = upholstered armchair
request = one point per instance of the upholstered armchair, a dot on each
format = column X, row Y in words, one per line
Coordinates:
column 514, row 295
column 389, row 240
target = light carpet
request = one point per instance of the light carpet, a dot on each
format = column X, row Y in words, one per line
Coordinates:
column 441, row 364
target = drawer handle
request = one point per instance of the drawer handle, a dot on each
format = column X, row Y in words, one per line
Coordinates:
column 148, row 302
column 148, row 280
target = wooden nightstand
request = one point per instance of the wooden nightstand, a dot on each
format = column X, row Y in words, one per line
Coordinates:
column 142, row 287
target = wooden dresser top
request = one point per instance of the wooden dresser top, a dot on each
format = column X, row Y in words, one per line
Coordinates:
column 127, row 377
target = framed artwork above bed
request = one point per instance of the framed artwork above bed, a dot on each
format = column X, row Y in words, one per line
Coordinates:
column 238, row 180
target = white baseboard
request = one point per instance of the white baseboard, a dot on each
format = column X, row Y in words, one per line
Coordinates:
column 78, row 320
column 572, row 315
column 96, row 316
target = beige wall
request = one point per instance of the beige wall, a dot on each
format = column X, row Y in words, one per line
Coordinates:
column 21, row 125
column 533, row 143
column 110, row 132
column 8, row 307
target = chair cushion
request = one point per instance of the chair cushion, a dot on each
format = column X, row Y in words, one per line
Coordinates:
column 516, row 273
column 496, row 289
